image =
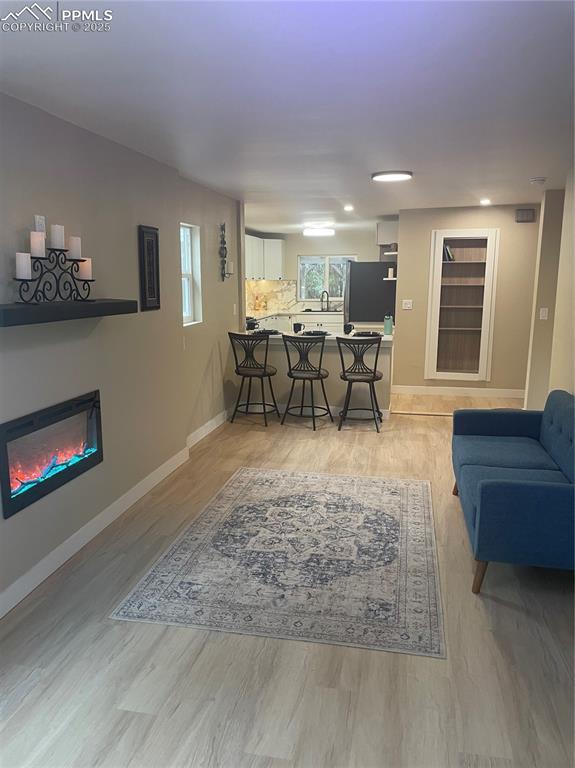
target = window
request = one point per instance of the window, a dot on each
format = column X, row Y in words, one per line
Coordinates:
column 191, row 274
column 322, row 273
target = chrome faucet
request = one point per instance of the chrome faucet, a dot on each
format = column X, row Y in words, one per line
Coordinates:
column 327, row 302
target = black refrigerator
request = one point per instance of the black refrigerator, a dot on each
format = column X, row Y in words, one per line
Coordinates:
column 369, row 293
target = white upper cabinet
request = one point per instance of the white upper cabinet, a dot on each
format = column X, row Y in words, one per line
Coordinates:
column 254, row 258
column 273, row 259
column 387, row 232
column 264, row 259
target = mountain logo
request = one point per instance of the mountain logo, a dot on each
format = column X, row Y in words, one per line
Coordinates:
column 34, row 10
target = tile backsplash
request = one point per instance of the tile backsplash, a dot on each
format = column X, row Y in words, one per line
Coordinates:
column 270, row 296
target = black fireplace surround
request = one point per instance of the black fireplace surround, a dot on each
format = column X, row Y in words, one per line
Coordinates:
column 48, row 448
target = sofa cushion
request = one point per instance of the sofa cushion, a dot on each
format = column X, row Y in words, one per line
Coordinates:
column 470, row 477
column 557, row 430
column 519, row 452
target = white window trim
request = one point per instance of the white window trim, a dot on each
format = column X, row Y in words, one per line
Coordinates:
column 195, row 277
column 326, row 257
column 434, row 301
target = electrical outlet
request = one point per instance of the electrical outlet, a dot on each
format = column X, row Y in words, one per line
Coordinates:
column 407, row 303
column 39, row 223
column 543, row 313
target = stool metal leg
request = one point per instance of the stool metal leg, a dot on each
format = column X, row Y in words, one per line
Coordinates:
column 372, row 398
column 274, row 397
column 302, row 397
column 343, row 415
column 379, row 413
column 325, row 398
column 312, row 406
column 249, row 394
column 264, row 409
column 238, row 400
column 289, row 400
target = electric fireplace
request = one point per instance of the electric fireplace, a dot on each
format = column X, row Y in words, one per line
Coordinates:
column 48, row 448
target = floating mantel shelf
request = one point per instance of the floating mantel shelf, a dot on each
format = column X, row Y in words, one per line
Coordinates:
column 54, row 311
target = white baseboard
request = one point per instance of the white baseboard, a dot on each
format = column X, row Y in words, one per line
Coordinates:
column 400, row 389
column 22, row 587
column 206, row 428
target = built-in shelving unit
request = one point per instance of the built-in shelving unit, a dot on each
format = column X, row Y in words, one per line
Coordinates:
column 460, row 304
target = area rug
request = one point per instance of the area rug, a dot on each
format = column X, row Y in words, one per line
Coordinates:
column 322, row 558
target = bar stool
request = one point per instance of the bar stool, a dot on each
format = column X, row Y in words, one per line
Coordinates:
column 245, row 344
column 358, row 372
column 304, row 370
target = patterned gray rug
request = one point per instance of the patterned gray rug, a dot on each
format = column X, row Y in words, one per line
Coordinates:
column 322, row 558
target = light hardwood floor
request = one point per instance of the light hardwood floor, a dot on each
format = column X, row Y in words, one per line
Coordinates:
column 82, row 690
column 443, row 405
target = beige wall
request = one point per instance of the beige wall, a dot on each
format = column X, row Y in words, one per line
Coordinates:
column 360, row 242
column 155, row 391
column 563, row 348
column 514, row 292
column 537, row 382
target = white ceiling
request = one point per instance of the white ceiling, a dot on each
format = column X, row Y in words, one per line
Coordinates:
column 291, row 105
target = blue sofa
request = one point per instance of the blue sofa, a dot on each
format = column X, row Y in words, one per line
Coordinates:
column 514, row 476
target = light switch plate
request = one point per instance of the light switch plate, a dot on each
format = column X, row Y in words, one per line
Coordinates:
column 407, row 303
column 39, row 223
column 543, row 313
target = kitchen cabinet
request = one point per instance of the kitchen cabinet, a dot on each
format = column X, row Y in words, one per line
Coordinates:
column 273, row 259
column 254, row 258
column 264, row 258
column 387, row 232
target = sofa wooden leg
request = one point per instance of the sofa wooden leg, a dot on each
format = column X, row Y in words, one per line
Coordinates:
column 480, row 568
column 455, row 490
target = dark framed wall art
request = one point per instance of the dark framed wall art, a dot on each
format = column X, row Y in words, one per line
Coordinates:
column 149, row 259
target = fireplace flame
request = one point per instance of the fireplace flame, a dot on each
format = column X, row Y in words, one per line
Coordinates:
column 23, row 477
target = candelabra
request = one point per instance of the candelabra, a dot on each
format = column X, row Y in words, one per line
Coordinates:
column 54, row 277
column 225, row 266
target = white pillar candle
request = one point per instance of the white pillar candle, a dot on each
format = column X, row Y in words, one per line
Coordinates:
column 85, row 271
column 74, row 247
column 389, row 273
column 23, row 266
column 230, row 267
column 57, row 236
column 37, row 244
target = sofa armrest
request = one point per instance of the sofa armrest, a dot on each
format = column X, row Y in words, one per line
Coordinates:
column 498, row 422
column 529, row 523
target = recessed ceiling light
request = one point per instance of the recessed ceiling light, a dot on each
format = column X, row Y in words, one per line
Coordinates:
column 318, row 232
column 539, row 180
column 348, row 208
column 485, row 201
column 392, row 176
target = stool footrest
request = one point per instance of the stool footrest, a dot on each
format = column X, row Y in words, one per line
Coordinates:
column 243, row 407
column 318, row 410
column 361, row 418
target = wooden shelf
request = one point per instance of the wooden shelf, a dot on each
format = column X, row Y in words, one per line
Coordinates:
column 477, row 281
column 56, row 311
column 461, row 306
column 456, row 328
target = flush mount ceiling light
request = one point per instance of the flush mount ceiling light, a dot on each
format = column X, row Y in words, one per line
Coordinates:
column 318, row 232
column 538, row 180
column 348, row 208
column 392, row 176
column 485, row 201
